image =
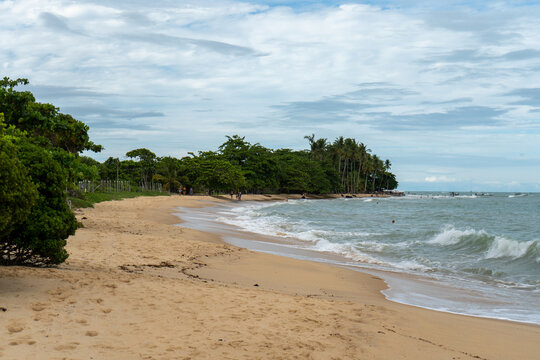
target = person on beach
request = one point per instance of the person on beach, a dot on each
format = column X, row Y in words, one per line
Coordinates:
column 190, row 191
column 232, row 194
column 184, row 191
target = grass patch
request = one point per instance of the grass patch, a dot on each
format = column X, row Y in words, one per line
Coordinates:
column 96, row 197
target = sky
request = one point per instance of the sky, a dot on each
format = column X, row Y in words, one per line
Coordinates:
column 449, row 91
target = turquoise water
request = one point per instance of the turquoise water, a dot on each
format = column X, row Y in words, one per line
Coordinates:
column 486, row 245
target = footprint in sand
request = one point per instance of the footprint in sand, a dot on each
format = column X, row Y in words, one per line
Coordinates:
column 91, row 333
column 14, row 328
column 70, row 346
column 39, row 307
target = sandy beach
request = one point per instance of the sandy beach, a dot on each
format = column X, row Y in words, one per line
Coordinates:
column 138, row 287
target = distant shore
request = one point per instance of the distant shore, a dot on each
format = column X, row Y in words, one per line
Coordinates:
column 278, row 197
column 137, row 287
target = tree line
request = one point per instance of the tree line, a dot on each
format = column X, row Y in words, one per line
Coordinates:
column 41, row 162
column 343, row 166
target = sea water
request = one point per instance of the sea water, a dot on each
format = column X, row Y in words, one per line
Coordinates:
column 475, row 254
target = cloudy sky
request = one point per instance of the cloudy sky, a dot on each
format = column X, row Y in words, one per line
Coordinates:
column 449, row 91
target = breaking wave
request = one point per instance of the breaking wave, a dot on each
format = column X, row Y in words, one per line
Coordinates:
column 491, row 246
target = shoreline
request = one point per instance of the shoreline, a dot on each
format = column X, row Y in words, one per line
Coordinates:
column 137, row 287
column 406, row 288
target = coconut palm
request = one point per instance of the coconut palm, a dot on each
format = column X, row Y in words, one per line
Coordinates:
column 318, row 147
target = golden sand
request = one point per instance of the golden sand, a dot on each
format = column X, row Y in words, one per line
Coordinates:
column 137, row 287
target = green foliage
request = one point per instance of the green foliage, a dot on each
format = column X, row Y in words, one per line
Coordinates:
column 168, row 173
column 43, row 120
column 39, row 158
column 85, row 168
column 235, row 150
column 147, row 162
column 17, row 192
column 40, row 237
column 342, row 166
column 220, row 175
column 97, row 197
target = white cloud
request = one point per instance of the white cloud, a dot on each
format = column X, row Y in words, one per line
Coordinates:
column 441, row 178
column 276, row 74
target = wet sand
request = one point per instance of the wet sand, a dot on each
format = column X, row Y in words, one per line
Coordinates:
column 137, row 287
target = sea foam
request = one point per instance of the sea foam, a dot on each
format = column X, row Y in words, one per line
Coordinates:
column 503, row 247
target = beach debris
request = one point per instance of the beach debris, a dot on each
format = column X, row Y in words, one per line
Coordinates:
column 3, row 309
column 255, row 284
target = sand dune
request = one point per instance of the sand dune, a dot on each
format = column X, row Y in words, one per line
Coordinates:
column 136, row 287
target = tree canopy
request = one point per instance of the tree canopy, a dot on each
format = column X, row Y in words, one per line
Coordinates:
column 344, row 165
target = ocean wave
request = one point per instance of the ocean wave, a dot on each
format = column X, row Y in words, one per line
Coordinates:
column 517, row 195
column 410, row 265
column 485, row 272
column 490, row 246
column 317, row 235
column 437, row 196
column 451, row 235
column 503, row 247
column 346, row 250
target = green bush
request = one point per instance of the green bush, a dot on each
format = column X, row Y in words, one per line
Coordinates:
column 17, row 192
column 38, row 237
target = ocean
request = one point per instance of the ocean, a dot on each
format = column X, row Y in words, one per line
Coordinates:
column 473, row 254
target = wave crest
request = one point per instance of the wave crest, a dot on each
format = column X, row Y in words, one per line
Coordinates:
column 503, row 247
column 489, row 246
column 451, row 235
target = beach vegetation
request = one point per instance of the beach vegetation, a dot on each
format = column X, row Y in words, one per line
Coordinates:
column 91, row 198
column 146, row 161
column 342, row 166
column 39, row 152
column 17, row 191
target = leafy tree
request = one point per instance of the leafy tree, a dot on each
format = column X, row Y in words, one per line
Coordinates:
column 235, row 149
column 86, row 168
column 40, row 237
column 220, row 175
column 147, row 162
column 260, row 170
column 43, row 120
column 293, row 175
column 39, row 152
column 168, row 173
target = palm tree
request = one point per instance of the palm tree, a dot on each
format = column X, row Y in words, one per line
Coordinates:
column 317, row 147
column 338, row 150
column 362, row 153
column 377, row 167
column 387, row 166
column 368, row 165
column 311, row 140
